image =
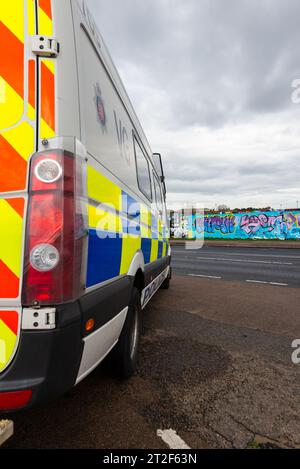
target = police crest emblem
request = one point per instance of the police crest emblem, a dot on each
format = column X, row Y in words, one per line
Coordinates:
column 100, row 107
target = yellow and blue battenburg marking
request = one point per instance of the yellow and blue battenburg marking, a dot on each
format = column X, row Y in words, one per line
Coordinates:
column 119, row 226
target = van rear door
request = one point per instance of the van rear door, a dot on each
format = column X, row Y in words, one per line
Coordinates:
column 18, row 137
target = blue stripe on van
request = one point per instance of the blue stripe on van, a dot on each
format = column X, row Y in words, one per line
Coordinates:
column 146, row 248
column 160, row 249
column 131, row 227
column 104, row 257
column 131, row 223
column 131, row 207
column 154, row 228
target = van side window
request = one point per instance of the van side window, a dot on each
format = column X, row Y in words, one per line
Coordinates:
column 143, row 171
column 158, row 196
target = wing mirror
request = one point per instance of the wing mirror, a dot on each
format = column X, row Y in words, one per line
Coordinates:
column 159, row 169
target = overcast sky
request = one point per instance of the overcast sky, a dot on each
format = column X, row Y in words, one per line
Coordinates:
column 211, row 81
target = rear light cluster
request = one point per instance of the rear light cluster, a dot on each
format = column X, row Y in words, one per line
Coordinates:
column 56, row 234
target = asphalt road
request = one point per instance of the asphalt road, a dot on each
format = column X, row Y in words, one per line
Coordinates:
column 277, row 266
column 215, row 366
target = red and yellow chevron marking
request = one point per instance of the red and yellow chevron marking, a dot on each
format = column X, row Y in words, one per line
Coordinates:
column 11, row 235
column 17, row 135
column 9, row 328
column 47, row 121
column 46, row 7
column 47, row 118
column 18, row 124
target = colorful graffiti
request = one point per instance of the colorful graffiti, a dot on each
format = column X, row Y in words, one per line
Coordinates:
column 254, row 225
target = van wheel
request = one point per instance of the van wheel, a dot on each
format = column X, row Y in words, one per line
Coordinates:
column 125, row 353
column 166, row 283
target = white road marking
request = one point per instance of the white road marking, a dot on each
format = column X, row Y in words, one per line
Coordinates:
column 281, row 256
column 204, row 276
column 171, row 438
column 248, row 281
column 268, row 283
column 183, row 250
column 279, row 284
column 248, row 254
column 242, row 260
column 283, row 263
column 256, row 281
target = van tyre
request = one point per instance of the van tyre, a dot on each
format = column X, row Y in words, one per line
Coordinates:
column 125, row 353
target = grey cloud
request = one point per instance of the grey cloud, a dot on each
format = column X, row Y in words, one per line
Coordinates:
column 218, row 63
column 234, row 178
column 218, row 60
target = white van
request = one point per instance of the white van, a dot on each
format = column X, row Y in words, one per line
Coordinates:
column 84, row 238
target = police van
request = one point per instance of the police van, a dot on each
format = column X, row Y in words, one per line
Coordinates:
column 84, row 238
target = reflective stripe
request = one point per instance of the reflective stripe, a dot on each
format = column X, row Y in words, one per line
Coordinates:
column 12, row 16
column 154, row 250
column 12, row 55
column 160, row 249
column 45, row 18
column 160, row 230
column 164, row 249
column 31, row 83
column 45, row 5
column 154, row 227
column 117, row 233
column 11, row 70
column 103, row 220
column 21, row 138
column 31, row 108
column 11, row 227
column 104, row 258
column 146, row 249
column 10, row 283
column 31, row 17
column 14, row 105
column 146, row 219
column 130, row 245
column 102, row 190
column 13, row 167
column 47, row 72
column 17, row 143
column 9, row 327
column 11, row 230
column 47, row 124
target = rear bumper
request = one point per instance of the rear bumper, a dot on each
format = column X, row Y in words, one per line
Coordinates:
column 47, row 362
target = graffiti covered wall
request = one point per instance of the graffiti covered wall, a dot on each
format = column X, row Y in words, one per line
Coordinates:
column 253, row 225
